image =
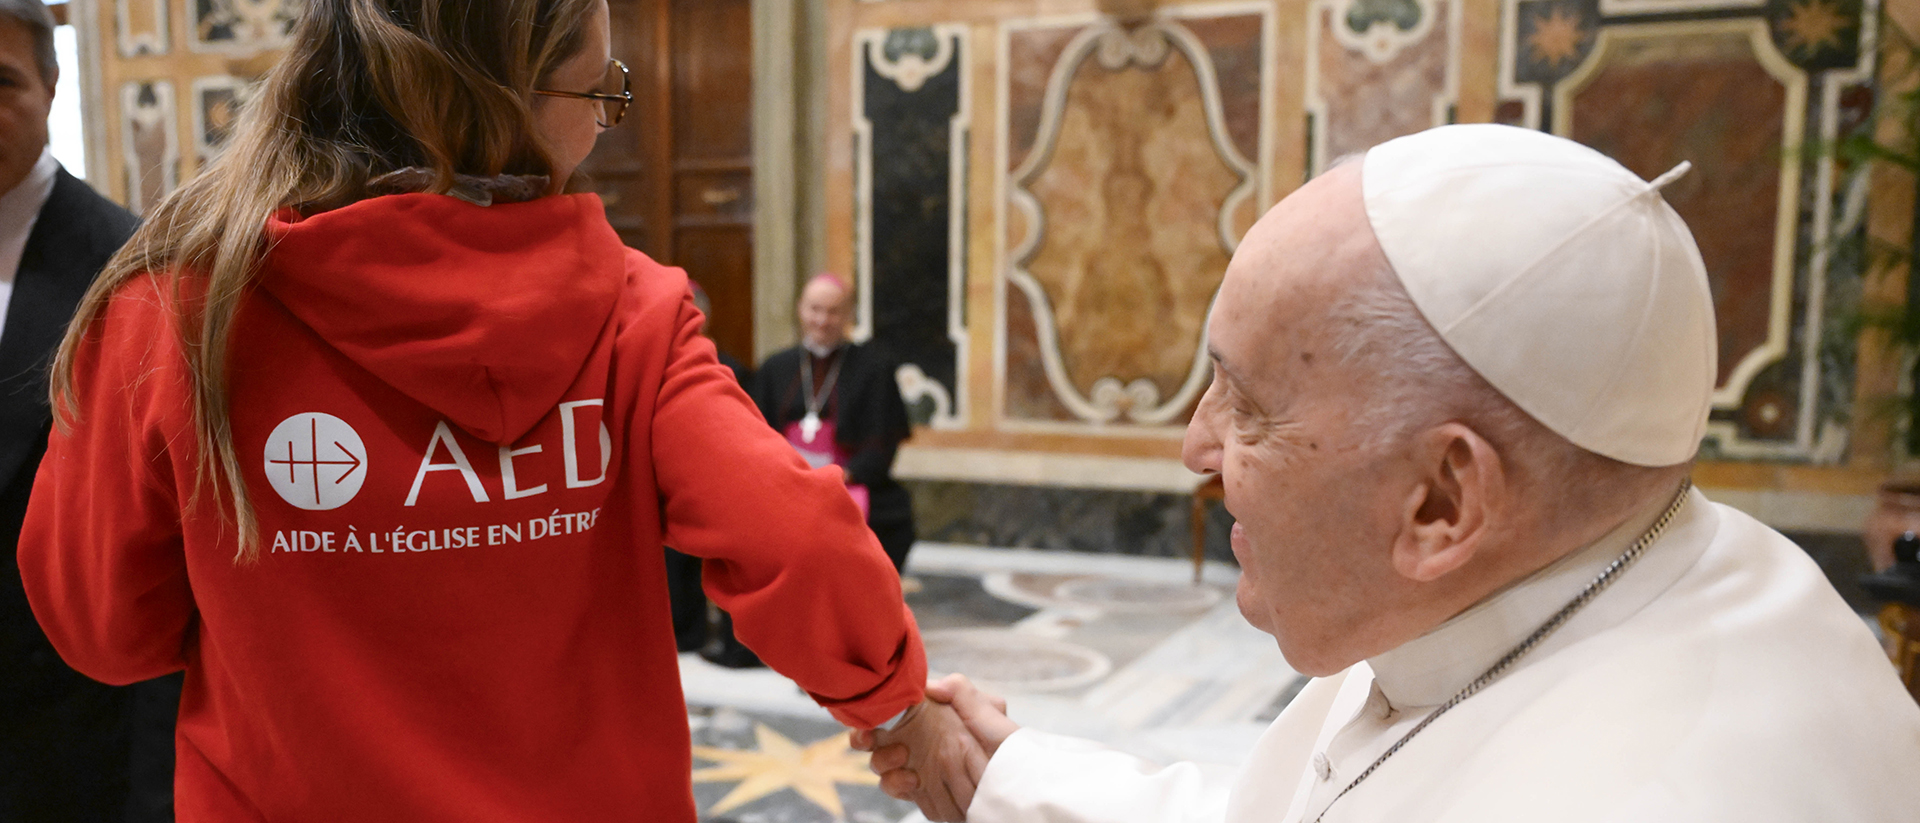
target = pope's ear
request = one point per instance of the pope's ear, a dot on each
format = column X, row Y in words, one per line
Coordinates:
column 1445, row 515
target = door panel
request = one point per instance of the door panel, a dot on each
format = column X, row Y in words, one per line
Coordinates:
column 723, row 195
column 623, row 168
column 707, row 250
column 677, row 175
column 712, row 80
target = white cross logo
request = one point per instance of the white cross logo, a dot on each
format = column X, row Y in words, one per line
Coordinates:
column 316, row 461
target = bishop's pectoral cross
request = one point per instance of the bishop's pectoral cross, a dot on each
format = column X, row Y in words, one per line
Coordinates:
column 809, row 427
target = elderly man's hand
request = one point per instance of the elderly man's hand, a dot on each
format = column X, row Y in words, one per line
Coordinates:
column 902, row 764
column 929, row 758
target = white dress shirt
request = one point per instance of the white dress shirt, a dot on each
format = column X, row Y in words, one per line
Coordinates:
column 1720, row 679
column 19, row 211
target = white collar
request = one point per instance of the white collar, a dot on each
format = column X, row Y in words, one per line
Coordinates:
column 822, row 352
column 1432, row 668
column 19, row 205
column 19, row 211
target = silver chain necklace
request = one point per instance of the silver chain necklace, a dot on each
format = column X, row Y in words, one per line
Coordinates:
column 1579, row 601
column 815, row 400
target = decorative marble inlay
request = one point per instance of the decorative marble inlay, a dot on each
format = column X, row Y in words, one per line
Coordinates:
column 1556, row 38
column 1622, row 8
column 1236, row 43
column 1064, row 518
column 1130, row 196
column 242, row 26
column 1550, row 39
column 911, row 120
column 1728, row 102
column 1747, row 91
column 1818, row 34
column 1136, row 596
column 216, row 108
column 909, row 56
column 1385, row 81
column 1380, row 29
column 140, row 27
column 1026, row 394
column 1012, row 660
column 149, row 143
column 1812, row 27
column 1031, row 55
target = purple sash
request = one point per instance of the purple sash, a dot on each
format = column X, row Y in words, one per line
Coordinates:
column 823, row 451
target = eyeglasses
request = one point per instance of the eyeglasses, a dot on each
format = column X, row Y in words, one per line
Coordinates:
column 609, row 109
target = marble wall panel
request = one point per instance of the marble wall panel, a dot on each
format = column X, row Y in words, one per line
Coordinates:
column 216, row 108
column 1101, row 259
column 1026, row 391
column 1154, row 524
column 1031, row 54
column 1704, row 99
column 1130, row 259
column 150, row 146
column 1381, row 70
column 1817, row 34
column 140, row 27
column 242, row 26
column 1132, row 170
column 912, row 262
column 1551, row 39
column 163, row 81
column 1234, row 44
column 1748, row 92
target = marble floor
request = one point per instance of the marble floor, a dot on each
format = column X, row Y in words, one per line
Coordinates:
column 1124, row 650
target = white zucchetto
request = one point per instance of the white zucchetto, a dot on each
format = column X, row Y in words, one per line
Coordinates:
column 1558, row 275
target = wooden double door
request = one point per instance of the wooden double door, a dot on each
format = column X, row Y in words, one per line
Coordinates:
column 677, row 175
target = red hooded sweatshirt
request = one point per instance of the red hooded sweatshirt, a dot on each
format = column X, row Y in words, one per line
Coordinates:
column 467, row 432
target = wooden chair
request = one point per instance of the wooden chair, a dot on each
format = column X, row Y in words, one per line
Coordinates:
column 1212, row 489
column 1901, row 625
column 1899, row 587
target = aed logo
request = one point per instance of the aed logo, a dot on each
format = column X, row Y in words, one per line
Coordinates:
column 317, row 462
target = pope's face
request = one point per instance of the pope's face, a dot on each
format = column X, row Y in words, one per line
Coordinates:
column 1311, row 495
column 25, row 99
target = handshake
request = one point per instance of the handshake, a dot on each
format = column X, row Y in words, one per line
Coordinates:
column 937, row 753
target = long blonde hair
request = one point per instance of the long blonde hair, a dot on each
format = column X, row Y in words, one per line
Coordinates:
column 367, row 87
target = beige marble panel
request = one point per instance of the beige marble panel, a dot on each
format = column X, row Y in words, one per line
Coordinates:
column 1131, row 254
column 140, row 27
column 1368, row 101
column 1031, row 55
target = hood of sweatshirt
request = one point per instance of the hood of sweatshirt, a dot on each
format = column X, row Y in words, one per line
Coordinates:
column 483, row 314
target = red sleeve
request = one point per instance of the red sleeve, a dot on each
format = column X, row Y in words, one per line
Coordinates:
column 100, row 553
column 787, row 552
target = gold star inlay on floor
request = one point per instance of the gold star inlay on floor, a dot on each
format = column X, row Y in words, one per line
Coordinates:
column 810, row 771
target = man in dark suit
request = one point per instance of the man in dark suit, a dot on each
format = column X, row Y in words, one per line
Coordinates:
column 71, row 749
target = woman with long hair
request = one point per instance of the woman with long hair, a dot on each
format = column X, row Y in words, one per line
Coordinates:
column 377, row 433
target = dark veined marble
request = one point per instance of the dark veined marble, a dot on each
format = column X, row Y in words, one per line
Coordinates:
column 1153, row 524
column 910, row 153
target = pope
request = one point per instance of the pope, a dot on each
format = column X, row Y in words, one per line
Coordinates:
column 1459, row 384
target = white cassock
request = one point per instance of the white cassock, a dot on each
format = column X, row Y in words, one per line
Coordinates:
column 1719, row 678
